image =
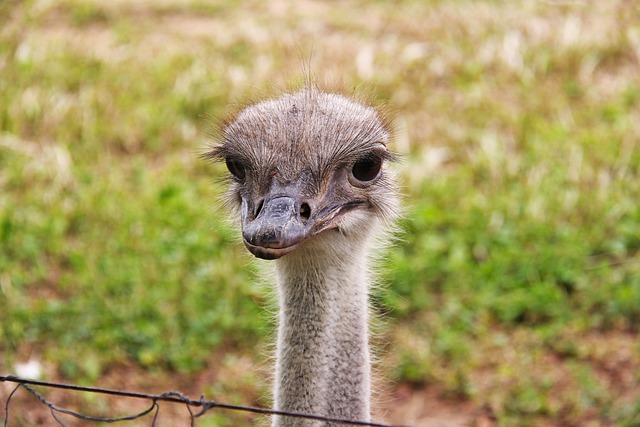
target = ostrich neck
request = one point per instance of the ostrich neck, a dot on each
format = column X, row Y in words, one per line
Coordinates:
column 323, row 365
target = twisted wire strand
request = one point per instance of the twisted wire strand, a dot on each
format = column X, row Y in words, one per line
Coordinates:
column 170, row 396
column 55, row 410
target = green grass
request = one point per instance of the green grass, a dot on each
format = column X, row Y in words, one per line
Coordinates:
column 519, row 252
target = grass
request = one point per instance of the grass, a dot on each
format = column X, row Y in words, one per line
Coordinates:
column 515, row 284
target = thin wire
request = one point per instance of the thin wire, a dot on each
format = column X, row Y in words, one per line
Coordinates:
column 56, row 409
column 171, row 396
column 6, row 406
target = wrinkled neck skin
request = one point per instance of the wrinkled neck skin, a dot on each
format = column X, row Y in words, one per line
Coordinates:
column 323, row 364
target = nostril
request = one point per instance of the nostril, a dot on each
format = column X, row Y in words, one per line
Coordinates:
column 305, row 211
column 259, row 209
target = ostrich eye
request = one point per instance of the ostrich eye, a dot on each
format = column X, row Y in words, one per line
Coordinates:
column 236, row 169
column 368, row 169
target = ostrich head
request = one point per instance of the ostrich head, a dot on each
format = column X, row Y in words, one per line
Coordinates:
column 307, row 167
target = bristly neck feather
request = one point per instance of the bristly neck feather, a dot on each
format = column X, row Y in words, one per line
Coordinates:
column 323, row 363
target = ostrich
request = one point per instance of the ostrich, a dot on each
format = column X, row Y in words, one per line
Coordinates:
column 308, row 177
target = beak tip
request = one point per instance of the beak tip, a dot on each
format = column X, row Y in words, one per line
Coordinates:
column 269, row 253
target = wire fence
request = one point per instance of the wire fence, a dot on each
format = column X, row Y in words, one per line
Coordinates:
column 196, row 408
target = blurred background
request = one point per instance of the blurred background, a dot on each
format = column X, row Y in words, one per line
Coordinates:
column 512, row 296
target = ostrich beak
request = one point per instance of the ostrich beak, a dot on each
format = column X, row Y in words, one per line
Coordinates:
column 277, row 229
column 284, row 222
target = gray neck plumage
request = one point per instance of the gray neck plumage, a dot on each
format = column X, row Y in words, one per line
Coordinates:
column 323, row 365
